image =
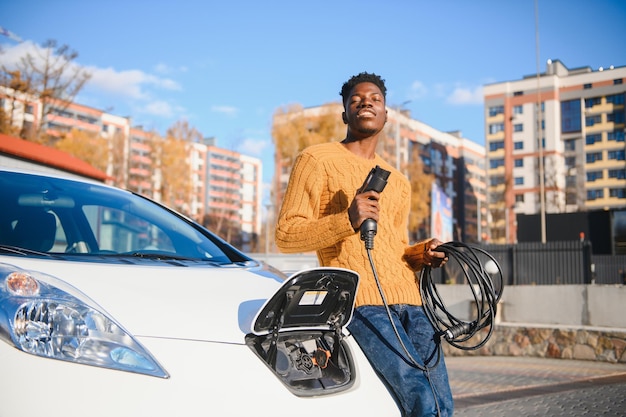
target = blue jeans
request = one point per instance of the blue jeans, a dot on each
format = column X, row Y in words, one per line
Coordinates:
column 417, row 392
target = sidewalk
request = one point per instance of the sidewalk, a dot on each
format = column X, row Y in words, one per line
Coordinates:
column 529, row 386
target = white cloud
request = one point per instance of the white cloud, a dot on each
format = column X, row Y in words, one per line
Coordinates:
column 125, row 83
column 253, row 147
column 227, row 110
column 158, row 108
column 129, row 83
column 10, row 56
column 461, row 96
column 457, row 95
column 418, row 90
column 162, row 68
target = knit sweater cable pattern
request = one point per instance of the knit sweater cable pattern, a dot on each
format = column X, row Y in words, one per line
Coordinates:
column 314, row 217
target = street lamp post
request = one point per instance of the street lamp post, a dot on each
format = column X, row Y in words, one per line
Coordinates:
column 542, row 185
column 268, row 222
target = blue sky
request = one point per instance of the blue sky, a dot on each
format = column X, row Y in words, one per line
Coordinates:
column 226, row 66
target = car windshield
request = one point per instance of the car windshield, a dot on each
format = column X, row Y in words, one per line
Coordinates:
column 48, row 215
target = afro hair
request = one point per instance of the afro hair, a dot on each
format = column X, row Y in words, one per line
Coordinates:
column 363, row 77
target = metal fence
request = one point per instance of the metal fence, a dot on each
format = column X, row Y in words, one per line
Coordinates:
column 552, row 263
column 570, row 262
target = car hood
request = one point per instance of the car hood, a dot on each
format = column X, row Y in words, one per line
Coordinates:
column 200, row 303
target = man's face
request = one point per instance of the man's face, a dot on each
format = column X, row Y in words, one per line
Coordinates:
column 365, row 112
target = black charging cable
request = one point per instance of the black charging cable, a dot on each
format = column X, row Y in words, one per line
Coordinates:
column 452, row 329
column 424, row 368
column 484, row 277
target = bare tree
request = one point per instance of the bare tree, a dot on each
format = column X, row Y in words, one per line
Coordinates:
column 170, row 156
column 555, row 192
column 52, row 76
column 295, row 128
column 181, row 130
column 17, row 92
column 118, row 159
column 90, row 147
column 421, row 184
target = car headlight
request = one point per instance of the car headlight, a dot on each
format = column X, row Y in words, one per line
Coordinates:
column 44, row 316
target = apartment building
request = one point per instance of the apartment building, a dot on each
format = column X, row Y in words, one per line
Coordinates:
column 251, row 201
column 456, row 162
column 223, row 183
column 555, row 144
column 458, row 165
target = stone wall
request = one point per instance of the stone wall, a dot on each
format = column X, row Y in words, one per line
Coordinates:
column 604, row 345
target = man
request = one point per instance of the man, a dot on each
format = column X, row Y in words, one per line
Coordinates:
column 323, row 210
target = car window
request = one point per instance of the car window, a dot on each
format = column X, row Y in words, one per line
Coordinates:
column 119, row 231
column 54, row 215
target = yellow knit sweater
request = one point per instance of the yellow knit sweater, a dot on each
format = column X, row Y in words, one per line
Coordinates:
column 314, row 217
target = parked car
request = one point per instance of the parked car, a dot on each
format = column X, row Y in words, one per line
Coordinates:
column 114, row 305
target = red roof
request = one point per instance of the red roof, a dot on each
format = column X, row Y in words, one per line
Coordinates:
column 45, row 155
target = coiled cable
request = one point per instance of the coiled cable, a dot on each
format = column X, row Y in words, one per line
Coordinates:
column 484, row 276
column 455, row 331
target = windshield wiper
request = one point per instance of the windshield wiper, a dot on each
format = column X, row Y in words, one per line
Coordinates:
column 22, row 251
column 164, row 256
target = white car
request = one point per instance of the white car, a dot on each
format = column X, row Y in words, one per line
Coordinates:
column 113, row 305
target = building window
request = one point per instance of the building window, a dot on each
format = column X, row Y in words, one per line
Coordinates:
column 593, row 101
column 587, row 86
column 496, row 180
column 518, row 127
column 518, row 93
column 617, row 81
column 519, row 180
column 619, row 174
column 615, row 117
column 570, row 116
column 496, row 110
column 570, row 162
column 519, row 198
column 518, row 145
column 593, row 157
column 594, row 194
column 518, row 163
column 616, row 135
column 496, row 163
column 617, row 155
column 617, row 192
column 594, row 175
column 592, row 120
column 495, row 128
column 494, row 146
column 518, row 109
column 591, row 139
column 615, row 99
column 570, row 144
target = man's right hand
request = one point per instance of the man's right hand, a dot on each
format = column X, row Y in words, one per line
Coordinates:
column 364, row 206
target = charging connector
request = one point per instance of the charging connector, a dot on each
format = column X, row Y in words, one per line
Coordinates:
column 376, row 180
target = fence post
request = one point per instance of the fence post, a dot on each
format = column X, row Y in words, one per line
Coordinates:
column 587, row 265
column 512, row 265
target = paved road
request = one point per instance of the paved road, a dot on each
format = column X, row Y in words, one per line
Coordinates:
column 512, row 386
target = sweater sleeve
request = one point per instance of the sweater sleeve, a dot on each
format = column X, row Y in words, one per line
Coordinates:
column 299, row 227
column 414, row 254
